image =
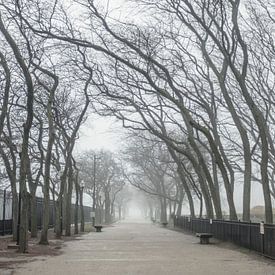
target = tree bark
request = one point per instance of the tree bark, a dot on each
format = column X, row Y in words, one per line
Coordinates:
column 163, row 210
column 76, row 203
column 4, row 108
column 107, row 208
column 82, row 223
column 26, row 132
column 68, row 217
column 58, row 218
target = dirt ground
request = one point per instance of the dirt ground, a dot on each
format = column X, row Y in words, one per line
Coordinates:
column 146, row 249
column 10, row 258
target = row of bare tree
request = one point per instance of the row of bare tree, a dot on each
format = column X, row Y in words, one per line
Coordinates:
column 152, row 170
column 197, row 75
column 45, row 98
column 103, row 179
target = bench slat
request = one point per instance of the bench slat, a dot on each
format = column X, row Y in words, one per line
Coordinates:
column 204, row 237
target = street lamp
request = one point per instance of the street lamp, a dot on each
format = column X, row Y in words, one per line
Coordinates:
column 100, row 210
column 82, row 185
column 19, row 150
column 53, row 130
column 94, row 191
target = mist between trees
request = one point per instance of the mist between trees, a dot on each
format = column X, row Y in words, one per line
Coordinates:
column 194, row 80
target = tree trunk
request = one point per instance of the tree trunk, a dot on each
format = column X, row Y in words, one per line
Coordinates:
column 201, row 207
column 221, row 75
column 23, row 230
column 163, row 210
column 179, row 208
column 58, row 218
column 33, row 205
column 64, row 204
column 26, row 132
column 33, row 216
column 205, row 172
column 201, row 177
column 120, row 212
column 68, row 217
column 183, row 181
column 5, row 99
column 46, row 187
column 14, row 213
column 76, row 204
column 107, row 208
column 258, row 116
column 45, row 220
column 82, row 223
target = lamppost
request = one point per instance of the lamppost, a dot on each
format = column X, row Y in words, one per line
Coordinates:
column 82, row 184
column 94, row 191
column 19, row 150
column 100, row 211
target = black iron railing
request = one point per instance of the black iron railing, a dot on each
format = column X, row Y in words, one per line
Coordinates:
column 6, row 213
column 245, row 234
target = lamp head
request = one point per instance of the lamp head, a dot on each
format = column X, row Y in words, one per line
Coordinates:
column 19, row 148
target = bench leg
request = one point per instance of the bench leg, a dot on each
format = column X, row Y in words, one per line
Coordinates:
column 204, row 240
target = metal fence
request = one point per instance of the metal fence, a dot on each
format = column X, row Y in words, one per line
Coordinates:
column 246, row 234
column 39, row 203
column 6, row 213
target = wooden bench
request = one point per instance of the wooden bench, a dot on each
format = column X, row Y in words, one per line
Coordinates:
column 98, row 228
column 204, row 237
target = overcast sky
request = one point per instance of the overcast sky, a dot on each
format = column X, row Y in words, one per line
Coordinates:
column 103, row 132
column 100, row 133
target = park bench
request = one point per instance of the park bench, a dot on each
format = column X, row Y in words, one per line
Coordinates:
column 204, row 237
column 98, row 228
column 164, row 224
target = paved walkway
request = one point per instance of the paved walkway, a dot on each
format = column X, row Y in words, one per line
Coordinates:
column 146, row 249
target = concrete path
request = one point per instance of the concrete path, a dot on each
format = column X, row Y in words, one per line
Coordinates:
column 129, row 248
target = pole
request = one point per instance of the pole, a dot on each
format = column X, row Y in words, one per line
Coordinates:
column 4, row 212
column 19, row 206
column 19, row 216
column 94, row 190
column 61, row 217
